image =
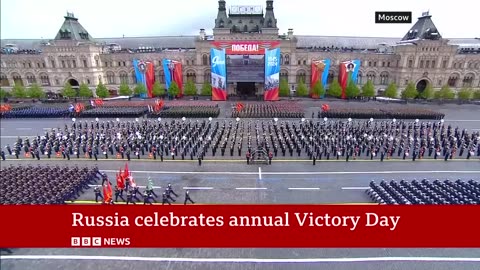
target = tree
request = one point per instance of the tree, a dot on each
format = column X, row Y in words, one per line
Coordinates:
column 410, row 91
column 318, row 90
column 302, row 90
column 190, row 88
column 445, row 93
column 284, row 90
column 68, row 91
column 352, row 90
column 4, row 94
column 35, row 91
column 18, row 91
column 368, row 90
column 125, row 90
column 428, row 92
column 173, row 90
column 476, row 94
column 102, row 91
column 158, row 90
column 85, row 91
column 206, row 89
column 139, row 89
column 465, row 94
column 391, row 91
column 335, row 90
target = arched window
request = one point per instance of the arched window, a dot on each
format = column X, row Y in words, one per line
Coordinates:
column 281, row 59
column 123, row 77
column 207, row 76
column 205, row 60
column 330, row 77
column 371, row 76
column 161, row 77
column 284, row 75
column 468, row 80
column 4, row 80
column 301, row 76
column 17, row 79
column 287, row 59
column 110, row 77
column 134, row 77
column 31, row 78
column 360, row 78
column 452, row 80
column 44, row 79
column 384, row 78
column 191, row 76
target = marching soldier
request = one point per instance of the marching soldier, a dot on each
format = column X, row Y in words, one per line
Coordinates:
column 187, row 198
column 165, row 199
column 98, row 194
column 130, row 197
column 146, row 198
column 118, row 193
column 170, row 189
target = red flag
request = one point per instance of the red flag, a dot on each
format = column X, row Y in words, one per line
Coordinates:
column 126, row 172
column 107, row 193
column 132, row 182
column 120, row 181
column 239, row 106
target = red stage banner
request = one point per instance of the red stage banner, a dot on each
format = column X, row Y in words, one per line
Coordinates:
column 235, row 226
column 178, row 77
column 150, row 78
column 245, row 47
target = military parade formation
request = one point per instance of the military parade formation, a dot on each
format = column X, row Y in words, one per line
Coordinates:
column 378, row 112
column 268, row 110
column 179, row 130
column 423, row 192
column 44, row 184
column 188, row 139
column 198, row 111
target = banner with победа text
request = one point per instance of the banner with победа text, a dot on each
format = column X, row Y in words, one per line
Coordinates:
column 242, row 226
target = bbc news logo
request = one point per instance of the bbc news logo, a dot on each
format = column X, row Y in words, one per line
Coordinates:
column 99, row 242
column 393, row 17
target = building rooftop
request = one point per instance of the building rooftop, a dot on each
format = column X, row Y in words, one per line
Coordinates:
column 188, row 42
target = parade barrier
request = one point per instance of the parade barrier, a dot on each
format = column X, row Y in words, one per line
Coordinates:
column 268, row 110
column 422, row 192
column 44, row 184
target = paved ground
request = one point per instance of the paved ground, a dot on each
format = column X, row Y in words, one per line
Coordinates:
column 234, row 182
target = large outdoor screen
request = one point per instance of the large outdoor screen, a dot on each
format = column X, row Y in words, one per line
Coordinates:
column 245, row 68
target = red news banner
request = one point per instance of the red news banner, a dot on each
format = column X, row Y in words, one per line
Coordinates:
column 240, row 226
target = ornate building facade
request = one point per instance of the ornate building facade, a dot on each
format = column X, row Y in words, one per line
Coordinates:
column 422, row 56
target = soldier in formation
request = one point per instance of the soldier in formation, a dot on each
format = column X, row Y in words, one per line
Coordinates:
column 186, row 139
column 44, row 184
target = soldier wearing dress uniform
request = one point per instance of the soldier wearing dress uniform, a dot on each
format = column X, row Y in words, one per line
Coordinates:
column 165, row 199
column 118, row 193
column 130, row 197
column 146, row 198
column 98, row 194
column 187, row 198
